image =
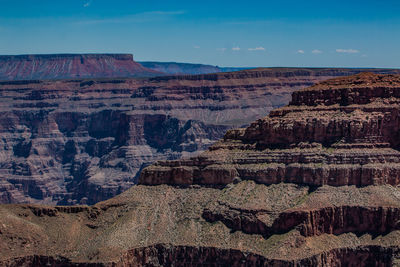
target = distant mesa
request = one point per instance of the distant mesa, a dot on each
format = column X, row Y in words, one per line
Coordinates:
column 66, row 66
column 92, row 66
column 186, row 68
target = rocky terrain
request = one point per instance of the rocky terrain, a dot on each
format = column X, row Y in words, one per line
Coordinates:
column 315, row 183
column 67, row 66
column 82, row 141
column 185, row 68
column 340, row 132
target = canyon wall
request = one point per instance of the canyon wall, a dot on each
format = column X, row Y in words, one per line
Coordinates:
column 261, row 196
column 85, row 140
column 341, row 132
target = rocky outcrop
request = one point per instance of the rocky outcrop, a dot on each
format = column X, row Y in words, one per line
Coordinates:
column 339, row 139
column 67, row 66
column 249, row 200
column 244, row 224
column 162, row 255
column 327, row 220
column 85, row 140
column 345, row 136
column 166, row 255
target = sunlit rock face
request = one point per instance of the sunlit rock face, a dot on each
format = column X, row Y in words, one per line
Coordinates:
column 82, row 141
column 261, row 196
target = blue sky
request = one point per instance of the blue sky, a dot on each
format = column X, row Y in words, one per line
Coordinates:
column 225, row 33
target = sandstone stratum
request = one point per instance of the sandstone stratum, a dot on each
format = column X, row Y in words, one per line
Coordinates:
column 315, row 183
column 81, row 141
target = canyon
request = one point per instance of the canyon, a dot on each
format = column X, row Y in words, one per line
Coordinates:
column 314, row 183
column 81, row 141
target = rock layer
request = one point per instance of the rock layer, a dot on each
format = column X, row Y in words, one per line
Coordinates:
column 164, row 255
column 84, row 140
column 346, row 135
column 250, row 200
column 255, row 225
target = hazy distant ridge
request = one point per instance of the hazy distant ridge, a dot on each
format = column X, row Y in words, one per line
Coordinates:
column 186, row 68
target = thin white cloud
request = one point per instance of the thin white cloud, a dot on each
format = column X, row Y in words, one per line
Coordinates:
column 221, row 49
column 259, row 48
column 300, row 51
column 236, row 48
column 347, row 51
column 196, row 47
column 316, row 51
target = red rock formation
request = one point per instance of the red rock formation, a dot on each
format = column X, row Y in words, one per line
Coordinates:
column 353, row 142
column 85, row 140
column 243, row 224
column 66, row 66
column 164, row 255
column 250, row 200
column 328, row 220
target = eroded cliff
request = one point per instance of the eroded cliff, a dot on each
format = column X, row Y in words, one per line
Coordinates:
column 83, row 141
column 340, row 132
column 250, row 200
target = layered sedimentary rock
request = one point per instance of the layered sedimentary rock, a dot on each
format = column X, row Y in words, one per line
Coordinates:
column 245, row 224
column 83, row 141
column 340, row 132
column 262, row 196
column 65, row 66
